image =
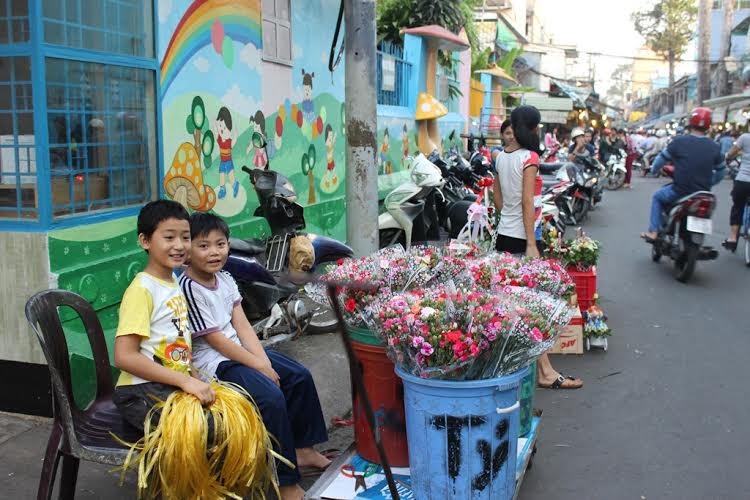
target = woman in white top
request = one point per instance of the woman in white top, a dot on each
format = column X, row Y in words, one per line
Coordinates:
column 513, row 194
column 740, row 189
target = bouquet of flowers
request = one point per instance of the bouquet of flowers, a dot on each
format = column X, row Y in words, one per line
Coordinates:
column 582, row 252
column 389, row 271
column 500, row 270
column 451, row 332
column 437, row 333
column 595, row 323
column 539, row 319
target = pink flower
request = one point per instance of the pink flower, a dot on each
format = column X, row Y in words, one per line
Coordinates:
column 426, row 349
column 417, row 341
column 536, row 335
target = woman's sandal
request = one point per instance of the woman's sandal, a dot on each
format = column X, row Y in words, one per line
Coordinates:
column 729, row 245
column 559, row 383
column 313, row 471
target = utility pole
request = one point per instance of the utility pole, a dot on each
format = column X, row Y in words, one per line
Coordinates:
column 361, row 127
column 704, row 51
column 726, row 45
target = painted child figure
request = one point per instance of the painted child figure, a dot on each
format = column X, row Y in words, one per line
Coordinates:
column 307, row 105
column 225, row 137
column 405, row 148
column 330, row 181
column 258, row 124
column 226, row 347
column 153, row 343
column 385, row 161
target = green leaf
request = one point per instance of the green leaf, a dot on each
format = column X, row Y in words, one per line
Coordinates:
column 208, row 143
column 189, row 124
column 305, row 164
column 198, row 112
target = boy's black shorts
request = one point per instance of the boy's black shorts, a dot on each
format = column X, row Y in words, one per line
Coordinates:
column 135, row 401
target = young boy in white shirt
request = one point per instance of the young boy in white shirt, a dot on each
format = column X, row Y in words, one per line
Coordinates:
column 225, row 346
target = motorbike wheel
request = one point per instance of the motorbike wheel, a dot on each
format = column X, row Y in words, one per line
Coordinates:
column 747, row 251
column 580, row 210
column 684, row 265
column 323, row 318
column 390, row 237
column 655, row 253
column 615, row 180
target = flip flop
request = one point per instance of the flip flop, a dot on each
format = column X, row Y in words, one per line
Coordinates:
column 647, row 238
column 558, row 383
column 313, row 471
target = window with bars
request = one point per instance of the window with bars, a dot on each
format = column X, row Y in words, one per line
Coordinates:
column 101, row 126
column 90, row 143
column 277, row 31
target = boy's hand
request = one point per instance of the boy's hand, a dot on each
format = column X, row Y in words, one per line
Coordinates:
column 270, row 373
column 200, row 390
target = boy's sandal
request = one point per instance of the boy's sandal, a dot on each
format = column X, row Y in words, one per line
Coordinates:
column 559, row 383
column 729, row 245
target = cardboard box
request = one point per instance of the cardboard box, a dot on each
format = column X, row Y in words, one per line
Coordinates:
column 571, row 338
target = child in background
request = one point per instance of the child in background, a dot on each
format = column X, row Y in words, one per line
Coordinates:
column 227, row 347
column 153, row 344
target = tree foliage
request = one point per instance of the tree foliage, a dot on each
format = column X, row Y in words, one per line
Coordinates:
column 668, row 26
column 393, row 15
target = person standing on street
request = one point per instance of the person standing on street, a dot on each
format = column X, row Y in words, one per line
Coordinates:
column 694, row 157
column 513, row 194
column 740, row 189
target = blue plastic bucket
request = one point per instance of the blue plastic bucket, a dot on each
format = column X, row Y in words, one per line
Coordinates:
column 462, row 436
column 526, row 397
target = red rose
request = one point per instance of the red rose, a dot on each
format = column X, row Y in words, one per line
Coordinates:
column 350, row 305
column 340, row 262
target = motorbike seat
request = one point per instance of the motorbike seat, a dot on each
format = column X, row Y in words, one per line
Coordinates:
column 550, row 168
column 248, row 247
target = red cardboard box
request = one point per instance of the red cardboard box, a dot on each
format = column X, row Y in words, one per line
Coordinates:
column 571, row 338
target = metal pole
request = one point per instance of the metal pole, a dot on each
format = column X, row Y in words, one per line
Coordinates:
column 361, row 127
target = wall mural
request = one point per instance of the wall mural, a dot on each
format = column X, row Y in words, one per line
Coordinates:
column 217, row 120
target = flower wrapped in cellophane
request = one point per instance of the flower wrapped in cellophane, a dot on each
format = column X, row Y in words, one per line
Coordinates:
column 389, row 271
column 539, row 320
column 440, row 331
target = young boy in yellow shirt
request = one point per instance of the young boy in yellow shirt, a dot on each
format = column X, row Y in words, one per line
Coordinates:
column 153, row 342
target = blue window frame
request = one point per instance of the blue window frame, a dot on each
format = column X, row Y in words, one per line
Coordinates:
column 79, row 117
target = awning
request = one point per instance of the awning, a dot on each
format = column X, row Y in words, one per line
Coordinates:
column 579, row 96
column 726, row 100
column 546, row 103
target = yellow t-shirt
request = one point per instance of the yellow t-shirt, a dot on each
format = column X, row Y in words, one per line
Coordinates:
column 156, row 311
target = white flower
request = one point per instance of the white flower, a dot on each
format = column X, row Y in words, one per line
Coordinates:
column 427, row 312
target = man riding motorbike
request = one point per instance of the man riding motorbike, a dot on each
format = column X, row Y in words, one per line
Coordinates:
column 579, row 145
column 694, row 156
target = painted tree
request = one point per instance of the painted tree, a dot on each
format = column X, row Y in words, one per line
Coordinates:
column 308, row 165
column 668, row 26
column 197, row 125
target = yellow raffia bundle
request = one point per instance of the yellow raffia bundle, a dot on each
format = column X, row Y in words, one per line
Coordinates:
column 173, row 461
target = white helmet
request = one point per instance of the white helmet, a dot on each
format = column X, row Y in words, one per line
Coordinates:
column 661, row 133
column 576, row 132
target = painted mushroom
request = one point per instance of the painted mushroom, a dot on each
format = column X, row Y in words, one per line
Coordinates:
column 429, row 110
column 184, row 179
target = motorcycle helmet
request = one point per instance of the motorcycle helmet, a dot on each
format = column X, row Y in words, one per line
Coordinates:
column 700, row 118
column 661, row 133
column 576, row 132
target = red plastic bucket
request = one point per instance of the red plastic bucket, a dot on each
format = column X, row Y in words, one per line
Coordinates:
column 386, row 394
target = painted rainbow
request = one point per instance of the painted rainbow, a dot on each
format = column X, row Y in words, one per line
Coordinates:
column 241, row 20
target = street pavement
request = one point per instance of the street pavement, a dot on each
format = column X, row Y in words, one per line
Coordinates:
column 663, row 413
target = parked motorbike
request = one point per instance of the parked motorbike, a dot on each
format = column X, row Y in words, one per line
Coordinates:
column 260, row 267
column 404, row 220
column 615, row 173
column 582, row 193
column 681, row 236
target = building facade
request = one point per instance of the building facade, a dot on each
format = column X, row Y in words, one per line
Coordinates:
column 105, row 109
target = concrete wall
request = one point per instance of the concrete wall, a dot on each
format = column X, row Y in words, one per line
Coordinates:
column 25, row 271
